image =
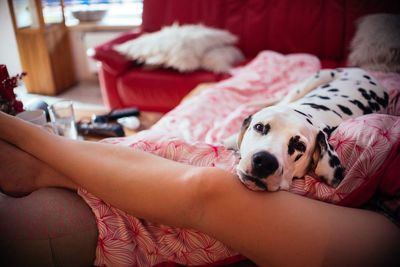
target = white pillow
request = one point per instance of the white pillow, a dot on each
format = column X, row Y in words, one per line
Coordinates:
column 376, row 44
column 179, row 47
column 221, row 59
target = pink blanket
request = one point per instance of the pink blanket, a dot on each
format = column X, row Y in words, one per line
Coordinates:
column 192, row 132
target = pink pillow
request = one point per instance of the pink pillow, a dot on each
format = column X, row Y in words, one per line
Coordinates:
column 364, row 145
column 369, row 148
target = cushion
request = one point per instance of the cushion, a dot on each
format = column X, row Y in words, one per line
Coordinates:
column 376, row 44
column 364, row 145
column 183, row 48
column 159, row 90
column 221, row 59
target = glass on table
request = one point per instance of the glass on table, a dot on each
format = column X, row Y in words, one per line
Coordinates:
column 63, row 119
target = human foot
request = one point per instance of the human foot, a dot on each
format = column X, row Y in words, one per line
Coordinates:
column 18, row 170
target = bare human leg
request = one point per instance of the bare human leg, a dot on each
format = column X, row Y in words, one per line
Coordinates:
column 22, row 173
column 113, row 173
column 272, row 229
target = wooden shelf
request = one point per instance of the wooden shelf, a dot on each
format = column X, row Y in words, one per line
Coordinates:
column 45, row 52
column 102, row 25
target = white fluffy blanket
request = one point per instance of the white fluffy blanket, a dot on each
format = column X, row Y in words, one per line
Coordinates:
column 185, row 48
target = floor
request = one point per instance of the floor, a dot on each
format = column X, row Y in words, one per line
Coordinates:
column 85, row 95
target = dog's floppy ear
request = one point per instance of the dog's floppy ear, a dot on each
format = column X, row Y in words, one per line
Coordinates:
column 233, row 142
column 243, row 129
column 325, row 161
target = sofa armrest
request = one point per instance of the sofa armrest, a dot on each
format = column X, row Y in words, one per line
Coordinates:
column 111, row 60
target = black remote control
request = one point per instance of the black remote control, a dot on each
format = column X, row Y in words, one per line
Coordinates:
column 102, row 129
column 116, row 114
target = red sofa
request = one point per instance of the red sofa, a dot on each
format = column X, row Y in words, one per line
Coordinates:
column 322, row 28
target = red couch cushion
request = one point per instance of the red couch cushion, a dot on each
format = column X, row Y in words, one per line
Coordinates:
column 159, row 90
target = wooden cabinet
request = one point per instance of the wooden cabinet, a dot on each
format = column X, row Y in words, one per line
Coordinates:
column 44, row 46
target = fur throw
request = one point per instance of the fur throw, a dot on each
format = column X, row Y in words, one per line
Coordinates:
column 185, row 48
column 376, row 44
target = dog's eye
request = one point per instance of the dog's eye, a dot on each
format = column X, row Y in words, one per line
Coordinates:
column 259, row 127
column 300, row 146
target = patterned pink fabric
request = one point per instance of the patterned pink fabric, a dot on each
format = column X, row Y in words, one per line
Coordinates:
column 191, row 133
column 363, row 145
column 128, row 241
column 391, row 81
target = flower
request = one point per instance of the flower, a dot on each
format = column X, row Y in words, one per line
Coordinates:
column 8, row 102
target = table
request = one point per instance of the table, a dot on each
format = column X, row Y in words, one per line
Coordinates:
column 147, row 119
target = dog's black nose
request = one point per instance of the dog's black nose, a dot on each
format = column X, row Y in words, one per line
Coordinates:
column 263, row 164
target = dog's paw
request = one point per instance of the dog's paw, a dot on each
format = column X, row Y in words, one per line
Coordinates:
column 338, row 176
column 330, row 170
column 328, row 166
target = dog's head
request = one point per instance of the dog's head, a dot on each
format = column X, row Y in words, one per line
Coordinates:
column 276, row 145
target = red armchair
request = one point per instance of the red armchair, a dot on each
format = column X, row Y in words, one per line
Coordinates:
column 322, row 28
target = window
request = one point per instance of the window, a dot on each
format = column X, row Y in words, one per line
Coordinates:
column 52, row 11
column 118, row 12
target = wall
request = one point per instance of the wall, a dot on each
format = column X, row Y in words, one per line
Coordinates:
column 8, row 44
column 81, row 41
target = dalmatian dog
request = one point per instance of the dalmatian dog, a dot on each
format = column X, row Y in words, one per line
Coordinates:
column 285, row 141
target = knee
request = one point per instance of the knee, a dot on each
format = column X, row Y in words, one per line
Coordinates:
column 208, row 186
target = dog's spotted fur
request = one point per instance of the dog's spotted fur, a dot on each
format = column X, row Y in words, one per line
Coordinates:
column 297, row 129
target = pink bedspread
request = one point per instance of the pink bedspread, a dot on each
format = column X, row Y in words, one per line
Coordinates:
column 192, row 132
